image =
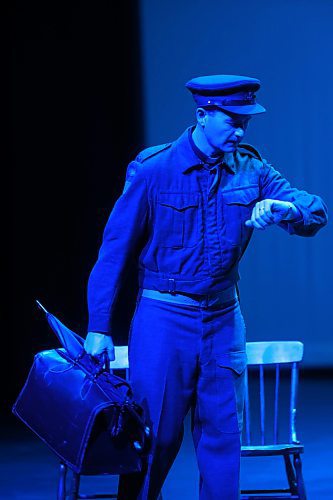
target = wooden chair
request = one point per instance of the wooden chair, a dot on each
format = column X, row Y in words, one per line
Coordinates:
column 273, row 358
column 275, row 355
column 120, row 363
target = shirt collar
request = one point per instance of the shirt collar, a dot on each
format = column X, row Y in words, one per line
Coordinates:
column 192, row 157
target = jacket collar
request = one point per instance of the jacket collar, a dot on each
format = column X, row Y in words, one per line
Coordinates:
column 189, row 160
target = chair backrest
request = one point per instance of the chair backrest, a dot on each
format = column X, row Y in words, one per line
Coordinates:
column 264, row 358
column 261, row 358
column 121, row 360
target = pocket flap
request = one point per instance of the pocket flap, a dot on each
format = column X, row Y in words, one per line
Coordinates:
column 242, row 195
column 236, row 360
column 179, row 201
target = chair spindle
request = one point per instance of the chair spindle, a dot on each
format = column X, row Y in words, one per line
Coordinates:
column 276, row 403
column 293, row 396
column 247, row 409
column 262, row 404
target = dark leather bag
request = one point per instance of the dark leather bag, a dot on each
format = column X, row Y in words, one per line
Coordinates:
column 84, row 413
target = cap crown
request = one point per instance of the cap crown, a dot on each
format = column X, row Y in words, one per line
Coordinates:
column 234, row 93
column 222, row 84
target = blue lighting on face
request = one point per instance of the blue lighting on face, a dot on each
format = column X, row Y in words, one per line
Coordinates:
column 225, row 131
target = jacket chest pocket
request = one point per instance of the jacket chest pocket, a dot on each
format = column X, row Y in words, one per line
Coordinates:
column 177, row 219
column 237, row 208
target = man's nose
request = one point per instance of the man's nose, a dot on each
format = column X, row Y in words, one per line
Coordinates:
column 239, row 132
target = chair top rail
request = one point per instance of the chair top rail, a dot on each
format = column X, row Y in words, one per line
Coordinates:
column 257, row 353
column 284, row 351
column 121, row 355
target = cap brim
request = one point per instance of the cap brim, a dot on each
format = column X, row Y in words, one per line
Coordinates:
column 251, row 109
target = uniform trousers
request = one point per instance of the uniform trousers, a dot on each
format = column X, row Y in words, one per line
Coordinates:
column 181, row 358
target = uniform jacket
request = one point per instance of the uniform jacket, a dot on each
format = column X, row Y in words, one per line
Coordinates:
column 184, row 220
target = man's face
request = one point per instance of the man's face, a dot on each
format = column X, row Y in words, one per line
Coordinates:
column 224, row 131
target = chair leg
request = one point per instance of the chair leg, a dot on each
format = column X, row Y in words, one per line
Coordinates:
column 61, row 495
column 75, row 485
column 290, row 474
column 299, row 475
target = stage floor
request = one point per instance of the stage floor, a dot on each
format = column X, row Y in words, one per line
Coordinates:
column 29, row 470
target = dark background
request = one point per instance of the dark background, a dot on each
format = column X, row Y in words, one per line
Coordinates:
column 75, row 117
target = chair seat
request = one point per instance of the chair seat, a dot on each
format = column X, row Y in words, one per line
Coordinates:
column 273, row 449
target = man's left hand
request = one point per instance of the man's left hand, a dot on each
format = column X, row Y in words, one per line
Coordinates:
column 268, row 212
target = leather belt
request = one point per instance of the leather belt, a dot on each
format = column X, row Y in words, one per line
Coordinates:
column 217, row 299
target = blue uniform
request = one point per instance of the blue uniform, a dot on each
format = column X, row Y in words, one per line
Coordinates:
column 183, row 216
column 188, row 233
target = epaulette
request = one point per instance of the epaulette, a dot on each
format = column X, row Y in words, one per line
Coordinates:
column 244, row 148
column 135, row 165
column 152, row 151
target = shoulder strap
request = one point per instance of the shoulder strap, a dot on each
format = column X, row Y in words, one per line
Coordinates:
column 135, row 165
column 152, row 151
column 248, row 149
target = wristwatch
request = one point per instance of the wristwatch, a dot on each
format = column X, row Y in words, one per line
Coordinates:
column 297, row 216
column 290, row 210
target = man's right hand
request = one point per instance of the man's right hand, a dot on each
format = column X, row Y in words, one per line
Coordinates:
column 98, row 343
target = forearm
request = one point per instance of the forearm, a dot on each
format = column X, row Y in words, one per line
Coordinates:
column 310, row 212
column 102, row 292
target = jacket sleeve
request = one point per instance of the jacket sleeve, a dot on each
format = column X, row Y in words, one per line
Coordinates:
column 313, row 210
column 122, row 234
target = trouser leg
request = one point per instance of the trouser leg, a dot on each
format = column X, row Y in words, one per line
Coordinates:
column 217, row 416
column 162, row 373
column 218, row 455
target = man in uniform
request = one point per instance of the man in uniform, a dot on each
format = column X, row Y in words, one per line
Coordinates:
column 187, row 214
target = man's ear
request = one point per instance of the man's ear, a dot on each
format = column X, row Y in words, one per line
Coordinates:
column 201, row 114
